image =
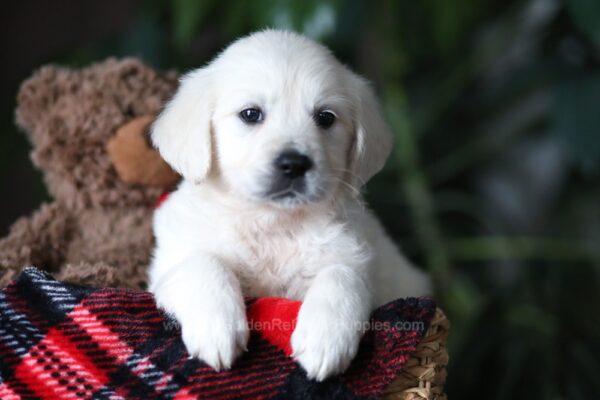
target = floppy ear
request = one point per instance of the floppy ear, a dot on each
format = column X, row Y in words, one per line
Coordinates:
column 373, row 140
column 181, row 132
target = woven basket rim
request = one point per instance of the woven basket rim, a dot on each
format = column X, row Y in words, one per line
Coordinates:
column 424, row 375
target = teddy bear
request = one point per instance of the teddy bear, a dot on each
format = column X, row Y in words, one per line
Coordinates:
column 88, row 131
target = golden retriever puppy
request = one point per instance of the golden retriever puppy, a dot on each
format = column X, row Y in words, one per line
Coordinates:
column 274, row 139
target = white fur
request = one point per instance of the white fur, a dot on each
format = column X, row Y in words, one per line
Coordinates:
column 220, row 237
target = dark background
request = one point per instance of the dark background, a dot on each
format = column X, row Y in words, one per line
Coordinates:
column 493, row 185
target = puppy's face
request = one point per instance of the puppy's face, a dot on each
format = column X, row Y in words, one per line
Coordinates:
column 282, row 129
column 285, row 123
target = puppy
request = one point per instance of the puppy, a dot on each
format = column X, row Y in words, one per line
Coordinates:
column 274, row 139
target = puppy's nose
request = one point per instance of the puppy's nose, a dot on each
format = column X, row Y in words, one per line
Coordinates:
column 293, row 164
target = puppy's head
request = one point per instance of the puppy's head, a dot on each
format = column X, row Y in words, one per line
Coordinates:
column 276, row 119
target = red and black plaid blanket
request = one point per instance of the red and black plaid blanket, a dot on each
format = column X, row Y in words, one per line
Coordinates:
column 59, row 340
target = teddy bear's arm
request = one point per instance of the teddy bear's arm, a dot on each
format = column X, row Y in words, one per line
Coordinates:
column 37, row 240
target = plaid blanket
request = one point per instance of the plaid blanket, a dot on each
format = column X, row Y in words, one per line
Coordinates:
column 59, row 340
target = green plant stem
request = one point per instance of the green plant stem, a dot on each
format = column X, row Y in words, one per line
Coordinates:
column 519, row 248
column 414, row 184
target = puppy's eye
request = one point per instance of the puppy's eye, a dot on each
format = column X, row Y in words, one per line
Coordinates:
column 324, row 119
column 251, row 115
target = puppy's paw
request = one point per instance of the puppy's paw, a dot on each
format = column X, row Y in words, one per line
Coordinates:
column 217, row 338
column 324, row 343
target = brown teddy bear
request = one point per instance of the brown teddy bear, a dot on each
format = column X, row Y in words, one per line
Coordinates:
column 88, row 132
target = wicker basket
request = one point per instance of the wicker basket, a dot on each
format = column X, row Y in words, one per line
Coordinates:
column 424, row 375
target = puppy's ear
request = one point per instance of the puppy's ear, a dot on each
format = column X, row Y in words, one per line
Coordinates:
column 182, row 132
column 373, row 142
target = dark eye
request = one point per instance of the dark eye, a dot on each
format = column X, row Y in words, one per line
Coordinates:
column 251, row 115
column 324, row 119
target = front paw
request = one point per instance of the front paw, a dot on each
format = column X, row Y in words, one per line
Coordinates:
column 324, row 342
column 217, row 337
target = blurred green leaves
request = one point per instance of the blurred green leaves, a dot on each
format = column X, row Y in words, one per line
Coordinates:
column 314, row 18
column 449, row 21
column 577, row 119
column 188, row 15
column 585, row 15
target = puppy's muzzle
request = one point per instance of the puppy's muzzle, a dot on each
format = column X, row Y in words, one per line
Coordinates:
column 290, row 169
column 292, row 165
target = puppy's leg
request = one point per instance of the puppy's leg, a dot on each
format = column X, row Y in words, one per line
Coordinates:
column 331, row 321
column 205, row 297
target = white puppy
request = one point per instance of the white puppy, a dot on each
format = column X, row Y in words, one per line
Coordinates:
column 274, row 139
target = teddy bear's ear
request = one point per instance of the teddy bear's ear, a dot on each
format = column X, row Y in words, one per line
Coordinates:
column 182, row 131
column 37, row 95
column 134, row 159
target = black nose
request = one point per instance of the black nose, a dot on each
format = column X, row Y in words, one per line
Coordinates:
column 293, row 164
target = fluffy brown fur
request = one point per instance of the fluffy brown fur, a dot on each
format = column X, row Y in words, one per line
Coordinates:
column 98, row 228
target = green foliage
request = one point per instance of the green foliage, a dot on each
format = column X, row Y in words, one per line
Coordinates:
column 585, row 15
column 577, row 119
column 188, row 16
